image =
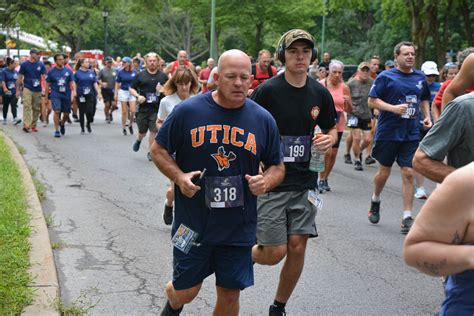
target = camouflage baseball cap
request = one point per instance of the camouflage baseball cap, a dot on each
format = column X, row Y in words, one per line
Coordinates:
column 296, row 35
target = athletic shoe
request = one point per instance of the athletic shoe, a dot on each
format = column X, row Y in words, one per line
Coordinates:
column 26, row 129
column 17, row 121
column 406, row 225
column 168, row 311
column 358, row 166
column 57, row 134
column 374, row 212
column 168, row 215
column 136, row 145
column 124, row 131
column 74, row 116
column 88, row 126
column 275, row 311
column 347, row 159
column 34, row 129
column 370, row 160
column 148, row 155
column 420, row 194
column 323, row 186
column 62, row 128
column 69, row 120
column 130, row 128
column 111, row 118
column 82, row 132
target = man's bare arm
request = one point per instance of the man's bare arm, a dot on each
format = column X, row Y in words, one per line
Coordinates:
column 376, row 103
column 432, row 169
column 169, row 168
column 437, row 243
column 463, row 80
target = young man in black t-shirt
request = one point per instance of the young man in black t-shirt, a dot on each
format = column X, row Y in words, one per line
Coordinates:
column 146, row 88
column 286, row 215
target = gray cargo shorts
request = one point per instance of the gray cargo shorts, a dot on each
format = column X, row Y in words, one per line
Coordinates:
column 284, row 213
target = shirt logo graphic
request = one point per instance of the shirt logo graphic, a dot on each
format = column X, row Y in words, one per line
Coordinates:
column 223, row 160
column 315, row 112
column 420, row 85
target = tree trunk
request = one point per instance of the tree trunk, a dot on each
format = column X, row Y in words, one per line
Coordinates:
column 466, row 12
column 420, row 27
column 440, row 40
column 258, row 37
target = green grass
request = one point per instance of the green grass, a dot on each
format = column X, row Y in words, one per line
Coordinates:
column 14, row 232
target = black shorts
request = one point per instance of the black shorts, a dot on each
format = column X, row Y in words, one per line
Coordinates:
column 146, row 121
column 338, row 142
column 355, row 122
column 108, row 94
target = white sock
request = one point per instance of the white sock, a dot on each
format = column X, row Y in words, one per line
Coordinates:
column 406, row 214
column 375, row 198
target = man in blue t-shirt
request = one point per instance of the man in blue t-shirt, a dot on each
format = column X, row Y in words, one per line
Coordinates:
column 30, row 75
column 62, row 88
column 400, row 94
column 214, row 228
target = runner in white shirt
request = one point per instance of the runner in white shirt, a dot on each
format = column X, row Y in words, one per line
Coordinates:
column 182, row 85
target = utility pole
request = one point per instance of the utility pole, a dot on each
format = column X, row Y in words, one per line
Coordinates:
column 213, row 51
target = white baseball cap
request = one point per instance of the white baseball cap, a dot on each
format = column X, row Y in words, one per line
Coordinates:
column 430, row 68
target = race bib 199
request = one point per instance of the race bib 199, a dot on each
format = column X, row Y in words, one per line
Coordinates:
column 296, row 148
column 224, row 192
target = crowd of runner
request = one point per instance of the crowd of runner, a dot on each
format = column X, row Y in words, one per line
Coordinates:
column 253, row 131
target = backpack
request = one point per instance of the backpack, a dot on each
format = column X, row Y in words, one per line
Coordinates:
column 254, row 73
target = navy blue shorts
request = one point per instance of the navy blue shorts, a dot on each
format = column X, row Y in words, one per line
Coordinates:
column 386, row 152
column 61, row 105
column 232, row 266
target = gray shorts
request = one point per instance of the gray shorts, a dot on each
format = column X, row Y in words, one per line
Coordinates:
column 284, row 213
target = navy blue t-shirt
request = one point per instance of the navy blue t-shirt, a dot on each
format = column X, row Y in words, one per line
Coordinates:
column 85, row 81
column 60, row 79
column 32, row 74
column 396, row 87
column 227, row 142
column 125, row 78
column 9, row 77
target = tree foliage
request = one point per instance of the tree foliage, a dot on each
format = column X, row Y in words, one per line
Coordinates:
column 355, row 29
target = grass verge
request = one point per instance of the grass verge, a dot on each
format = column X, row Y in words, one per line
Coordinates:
column 14, row 232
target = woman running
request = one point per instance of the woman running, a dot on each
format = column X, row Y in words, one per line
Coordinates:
column 182, row 85
column 341, row 95
column 86, row 92
column 128, row 101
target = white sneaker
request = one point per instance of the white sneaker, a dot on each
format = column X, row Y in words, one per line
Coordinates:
column 421, row 194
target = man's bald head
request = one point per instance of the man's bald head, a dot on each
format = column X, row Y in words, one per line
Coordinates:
column 231, row 56
column 182, row 56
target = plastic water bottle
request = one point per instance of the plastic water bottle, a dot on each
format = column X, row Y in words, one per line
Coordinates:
column 316, row 164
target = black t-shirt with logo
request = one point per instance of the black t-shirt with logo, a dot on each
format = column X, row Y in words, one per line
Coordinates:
column 145, row 84
column 297, row 111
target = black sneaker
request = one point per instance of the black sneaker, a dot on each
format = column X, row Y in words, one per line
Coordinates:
column 89, row 129
column 326, row 185
column 347, row 159
column 276, row 311
column 17, row 122
column 370, row 160
column 124, row 132
column 130, row 129
column 321, row 186
column 136, row 145
column 358, row 166
column 374, row 212
column 62, row 129
column 148, row 155
column 406, row 225
column 168, row 215
column 168, row 311
column 111, row 118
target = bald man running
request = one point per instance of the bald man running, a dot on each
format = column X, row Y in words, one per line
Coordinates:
column 214, row 229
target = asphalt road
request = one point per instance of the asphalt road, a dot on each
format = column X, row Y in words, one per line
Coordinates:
column 114, row 251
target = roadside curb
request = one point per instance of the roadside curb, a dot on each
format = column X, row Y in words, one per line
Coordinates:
column 43, row 269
